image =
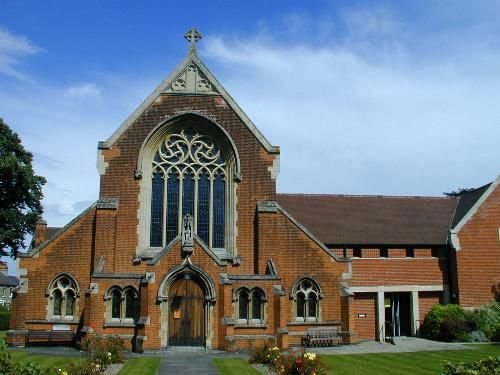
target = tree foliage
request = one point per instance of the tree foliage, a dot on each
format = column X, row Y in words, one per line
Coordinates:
column 458, row 192
column 20, row 192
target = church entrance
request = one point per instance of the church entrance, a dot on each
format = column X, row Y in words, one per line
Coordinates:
column 186, row 312
column 397, row 314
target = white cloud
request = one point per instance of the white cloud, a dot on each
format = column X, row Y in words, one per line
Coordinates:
column 12, row 49
column 84, row 90
column 371, row 115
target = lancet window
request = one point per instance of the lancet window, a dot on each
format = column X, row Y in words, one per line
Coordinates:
column 62, row 297
column 306, row 296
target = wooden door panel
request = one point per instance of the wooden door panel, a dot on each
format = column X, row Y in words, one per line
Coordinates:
column 186, row 313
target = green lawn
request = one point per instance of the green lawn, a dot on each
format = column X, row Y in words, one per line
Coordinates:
column 2, row 335
column 405, row 363
column 44, row 361
column 421, row 363
column 229, row 366
column 143, row 366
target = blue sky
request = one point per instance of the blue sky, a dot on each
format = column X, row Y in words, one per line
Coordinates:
column 363, row 97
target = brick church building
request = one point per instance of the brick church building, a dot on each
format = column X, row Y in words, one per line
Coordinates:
column 190, row 244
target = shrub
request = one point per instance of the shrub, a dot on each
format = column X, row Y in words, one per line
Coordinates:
column 4, row 320
column 477, row 336
column 301, row 364
column 488, row 366
column 487, row 319
column 103, row 351
column 8, row 366
column 453, row 315
column 266, row 355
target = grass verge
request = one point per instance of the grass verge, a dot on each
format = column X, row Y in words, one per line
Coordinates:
column 143, row 366
column 230, row 366
column 45, row 361
column 422, row 363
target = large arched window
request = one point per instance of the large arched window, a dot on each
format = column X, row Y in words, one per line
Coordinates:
column 250, row 305
column 306, row 295
column 188, row 177
column 62, row 294
column 122, row 305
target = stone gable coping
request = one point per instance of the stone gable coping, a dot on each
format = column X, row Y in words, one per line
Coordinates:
column 34, row 251
column 272, row 206
column 165, row 86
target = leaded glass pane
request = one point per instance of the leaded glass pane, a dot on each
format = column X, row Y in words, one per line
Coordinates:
column 130, row 302
column 116, row 301
column 156, row 211
column 243, row 305
column 312, row 303
column 301, row 303
column 70, row 303
column 218, row 211
column 203, row 207
column 188, row 196
column 57, row 302
column 256, row 305
column 172, row 207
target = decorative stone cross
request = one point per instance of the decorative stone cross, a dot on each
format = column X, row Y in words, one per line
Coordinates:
column 192, row 36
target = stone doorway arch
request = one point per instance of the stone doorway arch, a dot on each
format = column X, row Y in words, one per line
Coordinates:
column 187, row 297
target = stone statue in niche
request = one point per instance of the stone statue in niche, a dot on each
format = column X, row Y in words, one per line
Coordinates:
column 187, row 234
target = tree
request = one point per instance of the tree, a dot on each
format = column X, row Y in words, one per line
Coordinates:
column 20, row 192
column 458, row 192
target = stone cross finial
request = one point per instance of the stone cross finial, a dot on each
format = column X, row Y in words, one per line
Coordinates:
column 192, row 36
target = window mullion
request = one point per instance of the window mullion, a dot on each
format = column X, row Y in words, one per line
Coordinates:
column 179, row 199
column 195, row 203
column 164, row 218
column 211, row 211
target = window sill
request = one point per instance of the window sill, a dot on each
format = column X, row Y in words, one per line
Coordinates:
column 315, row 323
column 118, row 323
column 262, row 325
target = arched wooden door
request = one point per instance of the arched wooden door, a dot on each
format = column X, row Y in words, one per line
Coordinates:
column 186, row 313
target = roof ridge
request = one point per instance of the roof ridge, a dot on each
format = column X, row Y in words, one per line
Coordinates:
column 366, row 196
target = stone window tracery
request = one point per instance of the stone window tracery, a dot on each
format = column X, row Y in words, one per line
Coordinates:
column 62, row 294
column 250, row 306
column 188, row 177
column 306, row 295
column 122, row 305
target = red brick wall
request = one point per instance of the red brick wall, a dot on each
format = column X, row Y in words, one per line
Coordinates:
column 365, row 303
column 478, row 261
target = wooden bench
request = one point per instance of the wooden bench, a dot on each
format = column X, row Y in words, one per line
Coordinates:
column 36, row 336
column 322, row 336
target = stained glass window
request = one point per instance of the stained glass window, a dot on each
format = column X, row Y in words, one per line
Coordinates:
column 307, row 300
column 188, row 195
column 195, row 161
column 243, row 305
column 57, row 302
column 301, row 302
column 256, row 305
column 203, row 207
column 218, row 209
column 157, row 210
column 130, row 304
column 172, row 207
column 70, row 301
column 116, row 301
column 64, row 293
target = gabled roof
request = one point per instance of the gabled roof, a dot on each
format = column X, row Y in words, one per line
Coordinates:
column 372, row 220
column 191, row 77
column 6, row 280
column 469, row 203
